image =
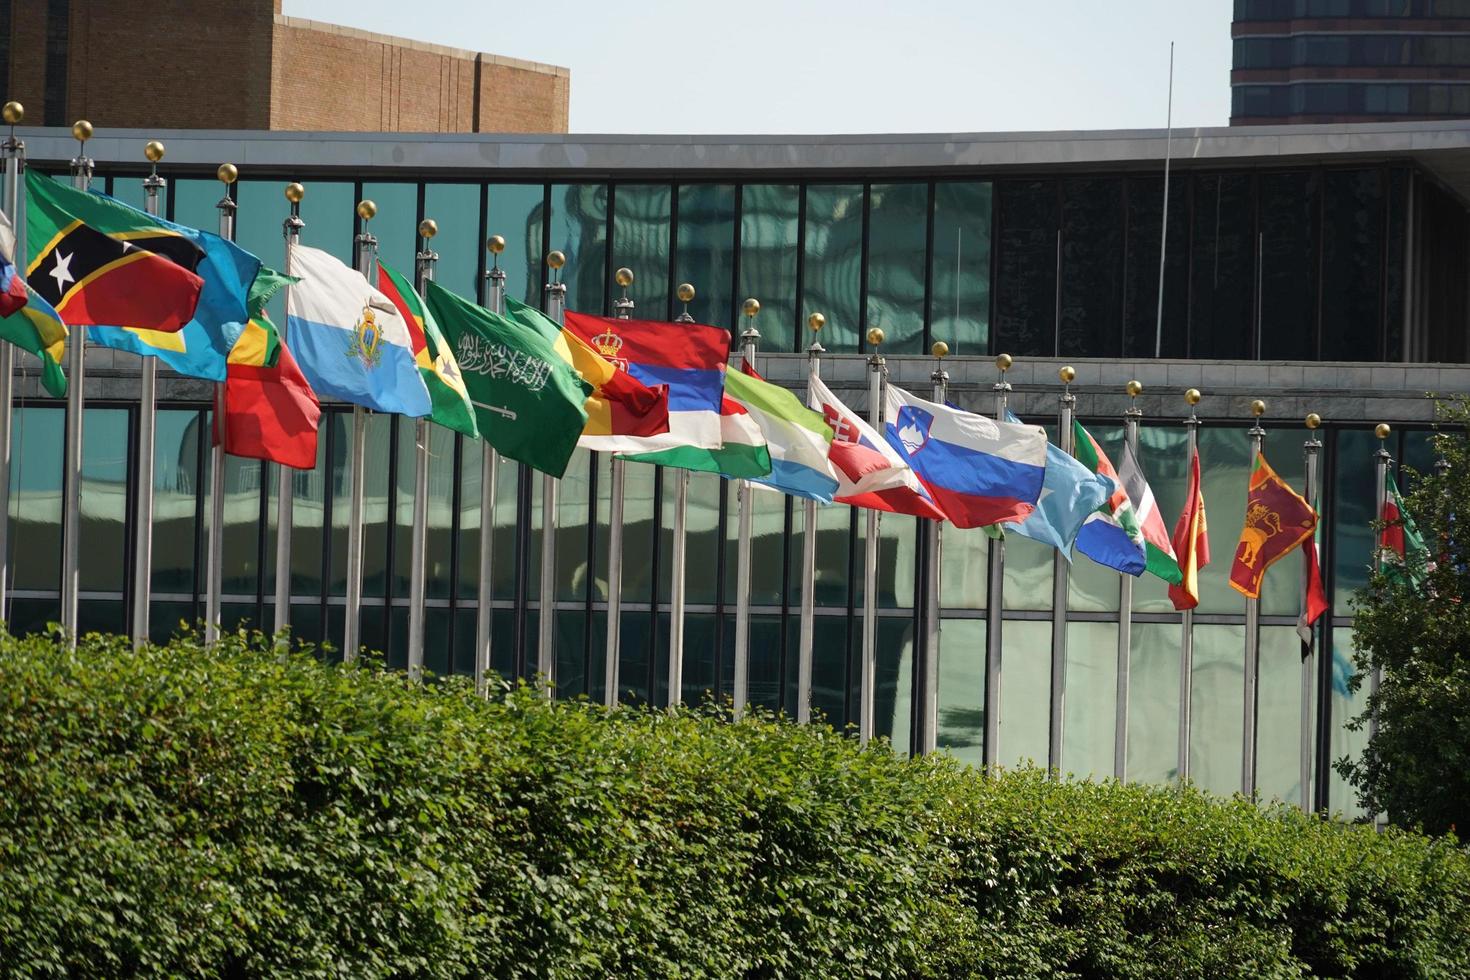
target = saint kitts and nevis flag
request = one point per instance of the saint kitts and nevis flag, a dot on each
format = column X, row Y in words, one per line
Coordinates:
column 26, row 319
column 431, row 352
column 1277, row 521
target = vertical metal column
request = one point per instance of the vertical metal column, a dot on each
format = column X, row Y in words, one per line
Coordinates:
column 1186, row 633
column 748, row 339
column 1131, row 419
column 677, row 571
column 147, row 440
column 623, row 310
column 418, row 571
column 291, row 231
column 214, row 562
column 1310, row 449
column 13, row 151
column 489, row 477
column 1252, row 698
column 808, row 553
column 994, row 597
column 1381, row 462
column 555, row 305
column 367, row 264
column 76, row 381
column 929, row 662
column 869, row 666
column 1061, row 577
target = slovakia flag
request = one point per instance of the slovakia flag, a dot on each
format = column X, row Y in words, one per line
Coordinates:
column 869, row 472
column 978, row 471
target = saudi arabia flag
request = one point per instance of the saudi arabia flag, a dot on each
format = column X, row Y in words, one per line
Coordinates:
column 431, row 352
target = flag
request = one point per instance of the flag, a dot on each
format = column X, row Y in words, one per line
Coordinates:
column 31, row 324
column 743, row 454
column 1314, row 603
column 270, row 411
column 797, row 438
column 436, row 363
column 869, row 472
column 1401, row 545
column 977, row 470
column 1111, row 535
column 202, row 347
column 1158, row 551
column 527, row 399
column 1191, row 541
column 689, row 358
column 1277, row 520
column 1069, row 492
column 97, row 264
column 350, row 340
column 620, row 404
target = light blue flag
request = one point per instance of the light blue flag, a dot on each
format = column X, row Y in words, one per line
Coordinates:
column 201, row 349
column 1069, row 492
column 349, row 339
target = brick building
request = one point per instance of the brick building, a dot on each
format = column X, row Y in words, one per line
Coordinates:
column 242, row 64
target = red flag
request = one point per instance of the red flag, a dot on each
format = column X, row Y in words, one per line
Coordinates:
column 1191, row 541
column 1314, row 603
column 1277, row 520
column 270, row 413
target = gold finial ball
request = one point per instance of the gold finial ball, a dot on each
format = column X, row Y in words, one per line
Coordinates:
column 428, row 228
column 496, row 244
column 1313, row 420
column 556, row 260
column 82, row 130
column 227, row 173
column 623, row 277
column 1134, row 388
column 14, row 112
column 816, row 321
column 750, row 307
column 875, row 336
column 1258, row 408
column 940, row 349
column 1382, row 430
column 1068, row 374
column 1003, row 362
column 685, row 292
column 1192, row 396
column 295, row 192
column 153, row 151
column 367, row 210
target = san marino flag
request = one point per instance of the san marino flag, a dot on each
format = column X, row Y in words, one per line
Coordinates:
column 350, row 339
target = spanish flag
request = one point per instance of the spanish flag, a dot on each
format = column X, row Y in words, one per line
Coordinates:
column 1191, row 541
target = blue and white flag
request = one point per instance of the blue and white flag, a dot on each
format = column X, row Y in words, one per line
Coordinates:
column 1069, row 492
column 349, row 339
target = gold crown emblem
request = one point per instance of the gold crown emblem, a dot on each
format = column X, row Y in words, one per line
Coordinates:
column 608, row 344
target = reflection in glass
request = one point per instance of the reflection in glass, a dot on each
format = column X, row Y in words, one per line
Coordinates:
column 964, row 556
column 1278, row 740
column 455, row 208
column 37, row 440
column 396, row 225
column 1288, row 268
column 1354, row 510
column 1025, row 267
column 1025, row 691
column 959, row 312
column 830, row 682
column 175, row 496
column 962, row 689
column 579, row 229
column 194, row 203
column 1346, row 706
column 897, row 229
column 1216, row 707
column 1352, row 263
column 1153, row 703
column 893, row 691
column 105, row 505
column 513, row 211
column 1089, row 722
column 573, row 501
column 1223, row 257
column 1088, row 324
column 1145, row 196
column 768, row 540
column 1029, row 571
column 707, row 250
column 833, row 261
column 768, row 223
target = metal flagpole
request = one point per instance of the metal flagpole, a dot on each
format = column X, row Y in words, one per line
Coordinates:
column 489, row 475
column 677, row 571
column 291, row 231
column 1381, row 462
column 1061, row 577
column 147, row 439
column 367, row 264
column 870, row 554
column 214, row 561
column 1252, row 698
column 1186, row 634
column 555, row 304
column 418, row 554
column 748, row 339
column 623, row 310
column 994, row 595
column 1310, row 449
column 1164, row 225
column 808, row 552
column 1131, row 419
column 929, row 662
column 71, row 504
column 14, row 152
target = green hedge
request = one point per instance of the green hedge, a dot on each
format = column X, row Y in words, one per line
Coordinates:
column 238, row 813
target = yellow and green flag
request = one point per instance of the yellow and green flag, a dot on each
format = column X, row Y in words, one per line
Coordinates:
column 432, row 354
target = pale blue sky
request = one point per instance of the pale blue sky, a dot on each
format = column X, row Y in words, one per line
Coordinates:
column 824, row 66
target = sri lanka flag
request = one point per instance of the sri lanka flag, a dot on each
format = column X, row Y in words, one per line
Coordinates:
column 1111, row 536
column 1277, row 521
column 27, row 320
column 869, row 472
column 978, row 471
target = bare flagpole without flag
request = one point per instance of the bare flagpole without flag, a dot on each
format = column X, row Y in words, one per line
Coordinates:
column 808, row 552
column 555, row 304
column 677, row 570
column 214, row 560
column 367, row 264
column 153, row 185
column 14, row 152
column 749, row 337
column 1164, row 229
column 489, row 475
column 291, row 232
column 424, row 261
column 613, row 652
column 76, row 370
column 869, row 666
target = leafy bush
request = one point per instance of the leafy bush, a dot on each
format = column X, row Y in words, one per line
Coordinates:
column 236, row 812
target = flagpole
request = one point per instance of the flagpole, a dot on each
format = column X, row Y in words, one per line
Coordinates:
column 994, row 595
column 367, row 264
column 214, row 561
column 1131, row 418
column 71, row 505
column 868, row 692
column 1186, row 634
column 677, row 570
column 1310, row 449
column 1381, row 462
column 14, row 151
column 1252, row 699
column 424, row 261
column 555, row 304
column 147, row 440
column 1061, row 577
column 808, row 551
column 291, row 231
column 929, row 662
column 622, row 310
column 489, row 476
column 748, row 340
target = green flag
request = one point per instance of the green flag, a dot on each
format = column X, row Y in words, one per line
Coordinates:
column 436, row 363
column 527, row 400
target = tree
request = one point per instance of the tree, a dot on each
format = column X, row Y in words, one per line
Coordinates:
column 1412, row 622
